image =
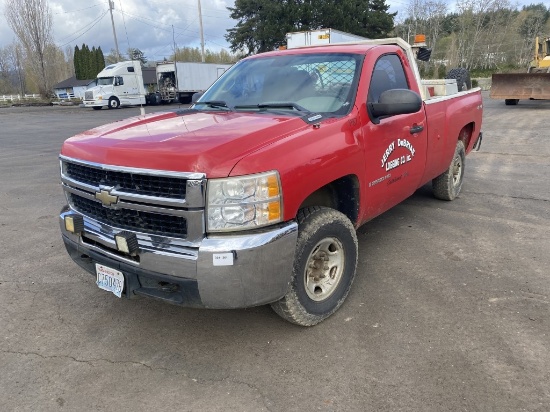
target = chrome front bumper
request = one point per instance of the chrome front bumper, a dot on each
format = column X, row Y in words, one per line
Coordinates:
column 191, row 275
column 95, row 103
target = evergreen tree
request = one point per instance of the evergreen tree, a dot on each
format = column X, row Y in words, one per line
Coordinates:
column 76, row 62
column 262, row 24
column 93, row 63
column 100, row 60
column 85, row 61
column 368, row 18
column 137, row 54
column 88, row 63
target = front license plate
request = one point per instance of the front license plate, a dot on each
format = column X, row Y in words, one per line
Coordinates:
column 109, row 279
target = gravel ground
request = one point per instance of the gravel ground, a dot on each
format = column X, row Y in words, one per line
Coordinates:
column 449, row 310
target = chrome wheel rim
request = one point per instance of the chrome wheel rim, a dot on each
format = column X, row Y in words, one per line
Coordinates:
column 324, row 269
column 457, row 170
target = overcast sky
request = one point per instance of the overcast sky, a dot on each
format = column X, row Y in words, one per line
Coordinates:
column 145, row 24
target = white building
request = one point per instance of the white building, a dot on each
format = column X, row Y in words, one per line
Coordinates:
column 72, row 88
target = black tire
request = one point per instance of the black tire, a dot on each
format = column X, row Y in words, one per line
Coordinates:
column 185, row 99
column 97, row 107
column 114, row 103
column 462, row 77
column 447, row 185
column 511, row 102
column 324, row 235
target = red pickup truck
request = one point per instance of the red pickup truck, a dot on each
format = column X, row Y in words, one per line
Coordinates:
column 252, row 196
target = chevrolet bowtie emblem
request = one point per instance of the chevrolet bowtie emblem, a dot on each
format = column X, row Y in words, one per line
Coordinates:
column 106, row 198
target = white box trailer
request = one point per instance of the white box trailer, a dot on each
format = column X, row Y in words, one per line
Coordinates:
column 319, row 37
column 179, row 81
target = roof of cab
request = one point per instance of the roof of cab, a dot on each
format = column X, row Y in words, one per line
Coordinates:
column 333, row 48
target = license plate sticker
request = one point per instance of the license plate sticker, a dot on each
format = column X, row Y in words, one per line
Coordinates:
column 109, row 279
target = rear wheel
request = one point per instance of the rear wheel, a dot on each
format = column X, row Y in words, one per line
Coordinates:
column 447, row 185
column 511, row 102
column 324, row 267
column 185, row 99
column 462, row 77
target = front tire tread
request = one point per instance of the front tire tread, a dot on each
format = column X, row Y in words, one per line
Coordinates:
column 310, row 221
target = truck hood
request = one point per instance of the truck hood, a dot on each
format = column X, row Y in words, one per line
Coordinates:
column 101, row 90
column 184, row 141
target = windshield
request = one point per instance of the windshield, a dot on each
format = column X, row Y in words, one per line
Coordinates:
column 104, row 81
column 320, row 83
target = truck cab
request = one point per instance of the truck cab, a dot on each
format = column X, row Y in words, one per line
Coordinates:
column 119, row 84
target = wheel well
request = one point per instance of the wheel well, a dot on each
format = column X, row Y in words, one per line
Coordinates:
column 466, row 134
column 341, row 194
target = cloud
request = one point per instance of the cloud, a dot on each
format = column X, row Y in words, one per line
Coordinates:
column 150, row 25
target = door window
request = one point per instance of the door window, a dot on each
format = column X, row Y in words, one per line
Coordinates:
column 388, row 74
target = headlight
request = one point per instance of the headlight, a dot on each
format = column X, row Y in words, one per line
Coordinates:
column 244, row 202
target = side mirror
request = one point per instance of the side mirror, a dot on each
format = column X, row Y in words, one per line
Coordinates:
column 394, row 102
column 196, row 97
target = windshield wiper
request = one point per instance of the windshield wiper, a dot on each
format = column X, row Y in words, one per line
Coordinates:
column 216, row 104
column 282, row 105
column 274, row 105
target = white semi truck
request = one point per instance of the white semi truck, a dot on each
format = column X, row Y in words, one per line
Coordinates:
column 179, row 81
column 119, row 84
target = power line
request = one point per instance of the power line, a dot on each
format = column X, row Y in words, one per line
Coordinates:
column 74, row 11
column 141, row 18
column 97, row 20
column 80, row 29
column 125, row 29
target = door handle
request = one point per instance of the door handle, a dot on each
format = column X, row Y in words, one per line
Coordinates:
column 417, row 128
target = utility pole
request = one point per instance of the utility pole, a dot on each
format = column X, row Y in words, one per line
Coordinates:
column 111, row 7
column 202, row 32
column 175, row 58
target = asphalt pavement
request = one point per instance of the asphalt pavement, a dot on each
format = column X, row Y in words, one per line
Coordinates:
column 449, row 310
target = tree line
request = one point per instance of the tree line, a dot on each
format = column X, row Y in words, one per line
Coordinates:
column 262, row 24
column 482, row 35
column 34, row 63
column 88, row 62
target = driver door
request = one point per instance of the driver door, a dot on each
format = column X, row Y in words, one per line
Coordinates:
column 395, row 148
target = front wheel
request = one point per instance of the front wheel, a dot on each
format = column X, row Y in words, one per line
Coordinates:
column 447, row 185
column 114, row 103
column 324, row 267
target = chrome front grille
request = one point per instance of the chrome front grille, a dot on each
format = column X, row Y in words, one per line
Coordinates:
column 160, row 203
column 89, row 95
column 148, row 185
column 128, row 219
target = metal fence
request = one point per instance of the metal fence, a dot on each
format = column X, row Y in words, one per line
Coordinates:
column 12, row 97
